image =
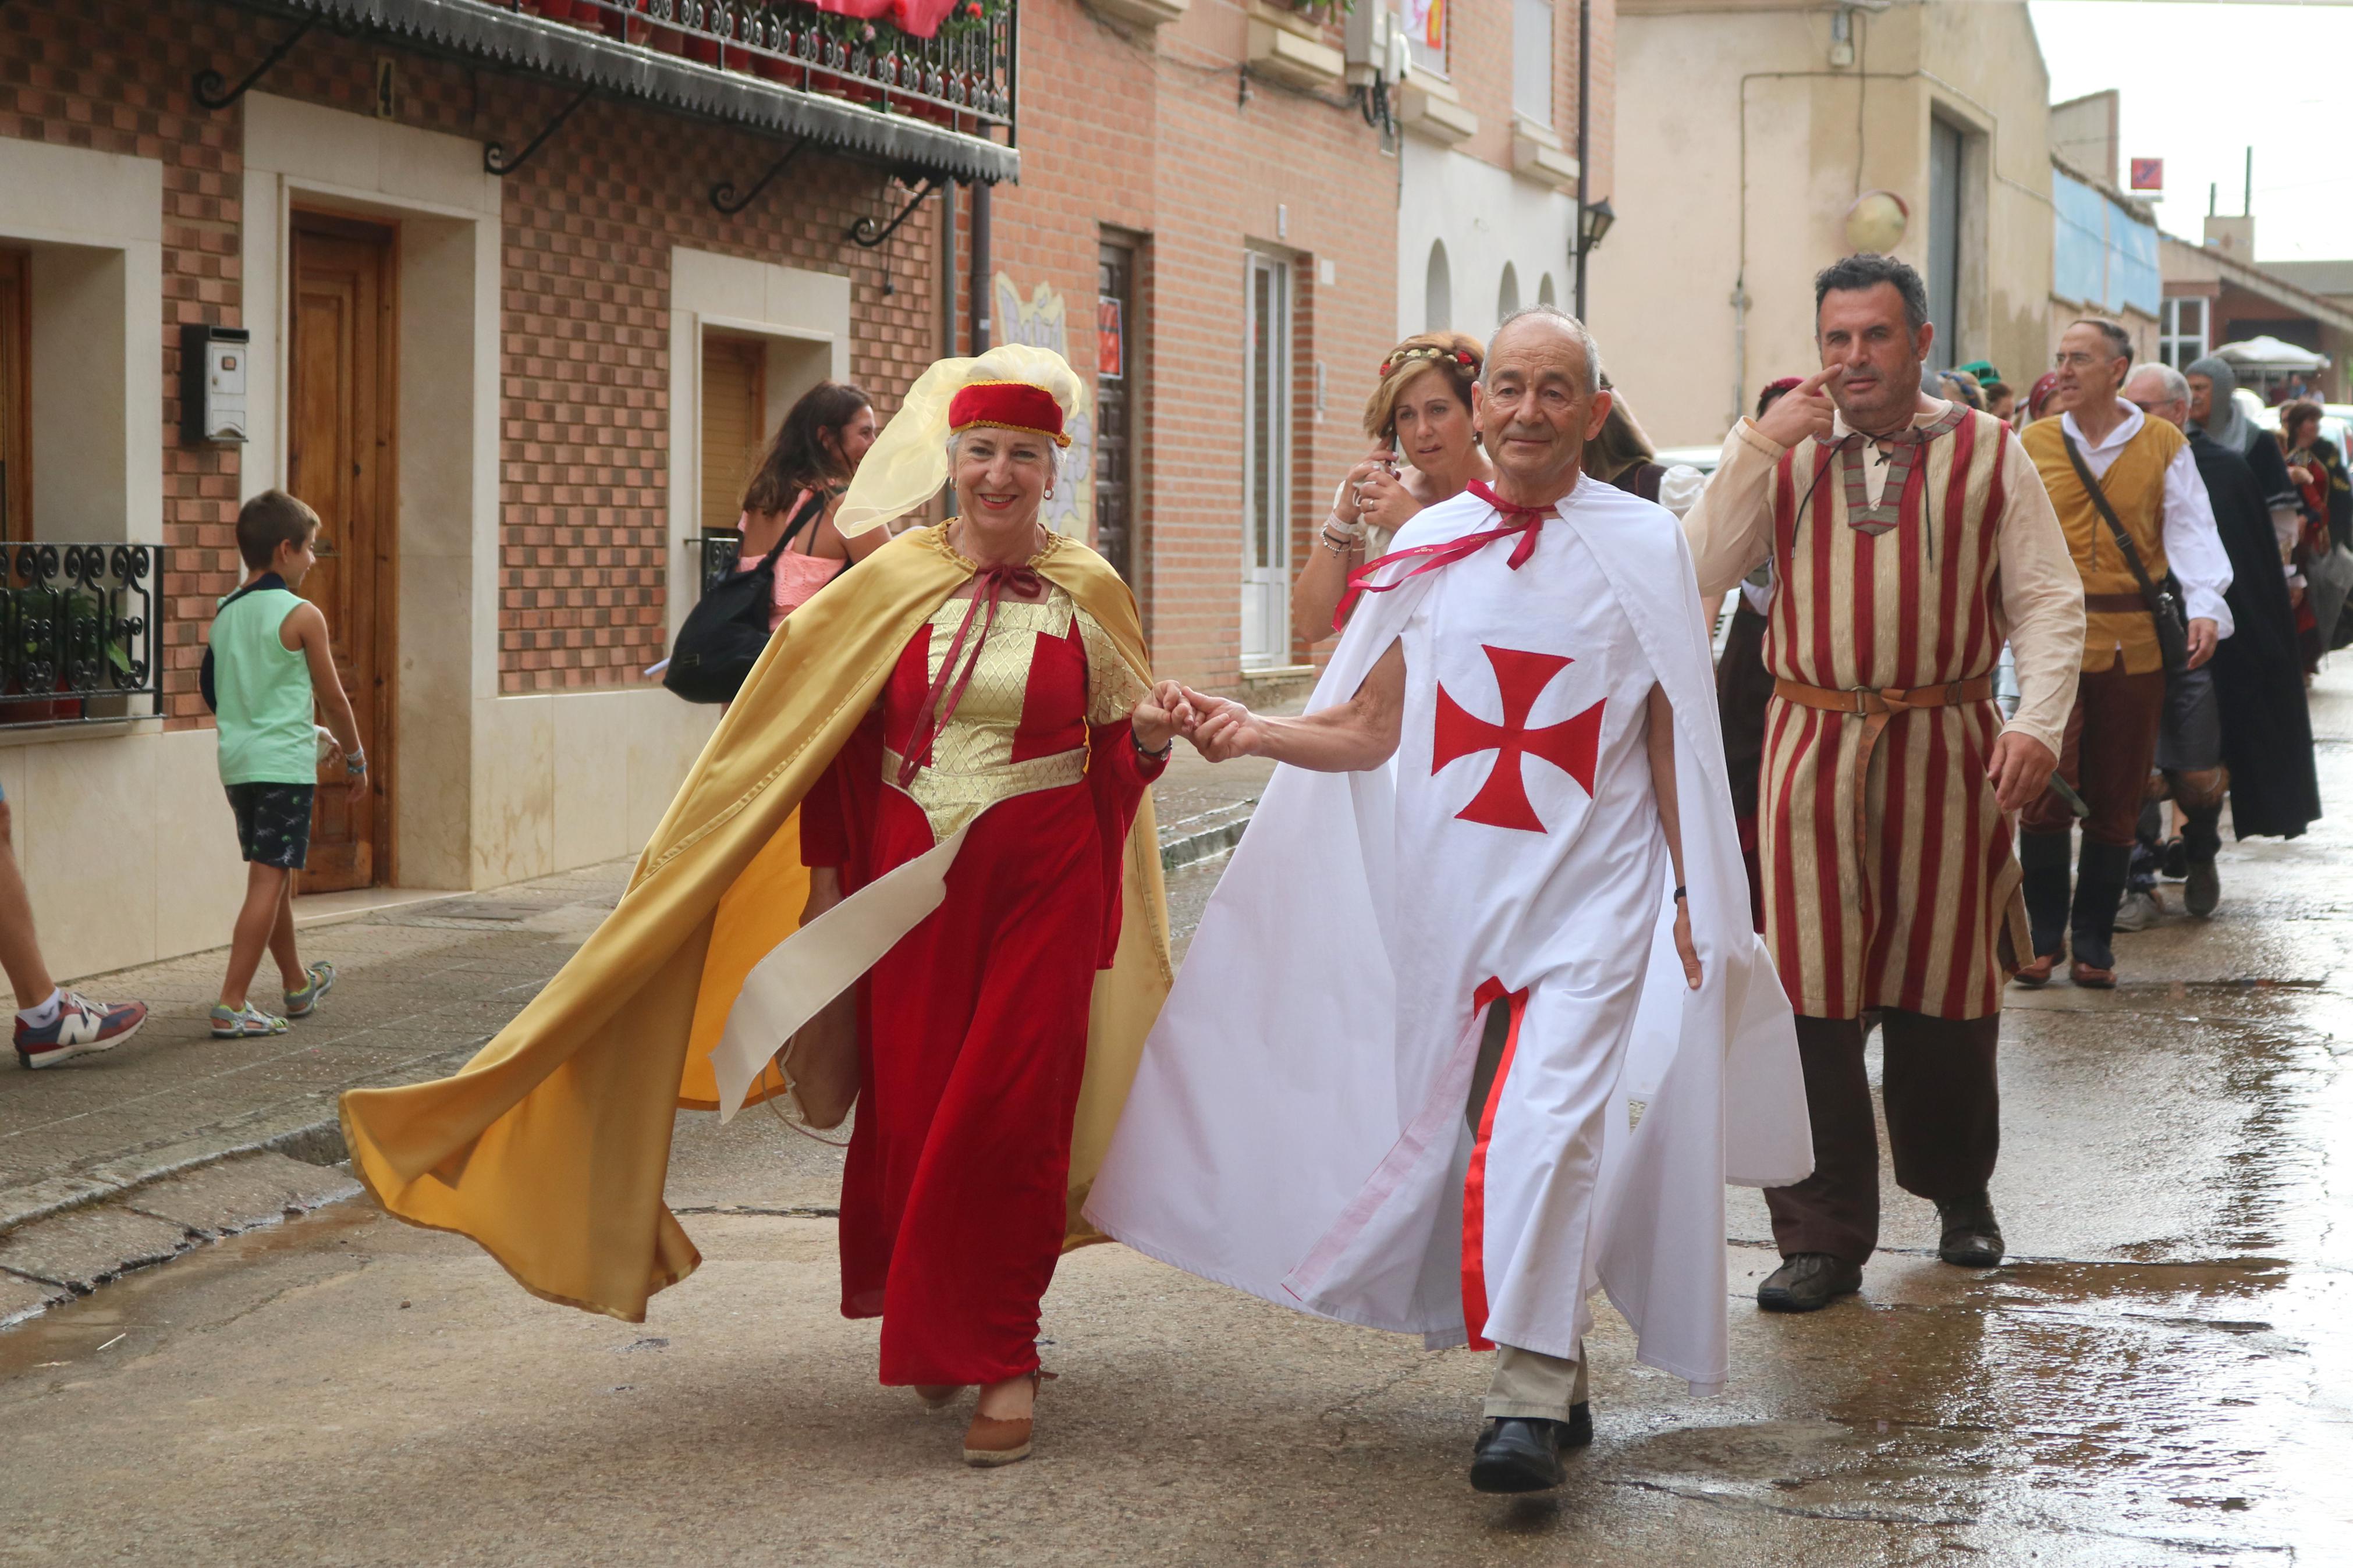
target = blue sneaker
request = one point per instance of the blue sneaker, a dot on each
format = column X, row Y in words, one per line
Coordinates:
column 82, row 1028
column 304, row 1003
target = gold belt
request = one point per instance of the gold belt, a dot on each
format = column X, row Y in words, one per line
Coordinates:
column 1875, row 708
column 953, row 799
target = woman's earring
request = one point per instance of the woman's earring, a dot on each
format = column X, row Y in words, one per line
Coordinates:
column 1050, row 492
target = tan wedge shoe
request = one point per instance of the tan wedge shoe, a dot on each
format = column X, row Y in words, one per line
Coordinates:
column 991, row 1441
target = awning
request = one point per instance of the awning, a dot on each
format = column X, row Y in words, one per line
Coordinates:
column 484, row 34
column 2270, row 357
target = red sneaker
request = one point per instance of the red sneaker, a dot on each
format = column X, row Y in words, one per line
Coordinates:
column 82, row 1028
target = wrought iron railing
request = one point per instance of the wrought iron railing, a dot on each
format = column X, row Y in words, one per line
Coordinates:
column 961, row 76
column 80, row 631
column 714, row 557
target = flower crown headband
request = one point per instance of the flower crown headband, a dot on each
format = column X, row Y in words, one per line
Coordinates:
column 1462, row 357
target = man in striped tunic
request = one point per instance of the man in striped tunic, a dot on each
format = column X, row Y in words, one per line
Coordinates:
column 1909, row 538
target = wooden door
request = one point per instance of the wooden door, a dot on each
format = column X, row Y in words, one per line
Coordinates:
column 15, row 386
column 1114, row 466
column 734, row 423
column 339, row 404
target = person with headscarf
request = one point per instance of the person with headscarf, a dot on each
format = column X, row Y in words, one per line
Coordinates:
column 2214, row 412
column 2266, row 726
column 966, row 935
column 2038, row 398
column 1959, row 387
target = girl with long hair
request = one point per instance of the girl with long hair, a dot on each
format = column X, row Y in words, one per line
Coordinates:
column 793, row 494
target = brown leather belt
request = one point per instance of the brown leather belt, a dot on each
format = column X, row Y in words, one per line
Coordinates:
column 2115, row 604
column 1875, row 708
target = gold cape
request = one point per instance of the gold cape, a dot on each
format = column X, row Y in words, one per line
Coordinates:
column 550, row 1146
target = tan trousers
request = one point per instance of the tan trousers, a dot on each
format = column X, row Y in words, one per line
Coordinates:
column 1532, row 1386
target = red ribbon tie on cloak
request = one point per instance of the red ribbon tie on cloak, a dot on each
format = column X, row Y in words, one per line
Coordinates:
column 1525, row 522
column 989, row 584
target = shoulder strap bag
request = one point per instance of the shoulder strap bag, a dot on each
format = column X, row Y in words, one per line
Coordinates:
column 725, row 633
column 2164, row 603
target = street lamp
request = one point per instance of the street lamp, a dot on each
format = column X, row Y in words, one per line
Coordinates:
column 1592, row 223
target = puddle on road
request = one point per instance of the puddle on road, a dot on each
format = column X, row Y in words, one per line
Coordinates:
column 72, row 1335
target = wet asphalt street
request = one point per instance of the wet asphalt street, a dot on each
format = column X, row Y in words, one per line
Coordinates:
column 2159, row 1375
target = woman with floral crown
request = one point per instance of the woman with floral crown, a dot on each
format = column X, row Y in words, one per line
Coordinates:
column 978, row 940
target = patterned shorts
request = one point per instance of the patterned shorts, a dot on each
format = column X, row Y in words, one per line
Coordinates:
column 273, row 822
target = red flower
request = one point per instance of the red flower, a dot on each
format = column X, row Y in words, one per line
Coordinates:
column 1464, row 356
column 972, row 9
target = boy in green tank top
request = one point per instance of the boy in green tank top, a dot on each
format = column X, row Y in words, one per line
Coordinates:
column 270, row 663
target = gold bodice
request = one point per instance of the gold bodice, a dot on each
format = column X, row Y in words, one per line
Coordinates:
column 971, row 766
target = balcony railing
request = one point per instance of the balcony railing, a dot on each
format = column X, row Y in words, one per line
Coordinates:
column 961, row 77
column 80, row 638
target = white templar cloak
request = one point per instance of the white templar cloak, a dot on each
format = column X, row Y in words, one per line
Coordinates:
column 1302, row 1126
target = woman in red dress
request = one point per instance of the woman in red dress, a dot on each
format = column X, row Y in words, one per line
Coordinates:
column 1010, row 719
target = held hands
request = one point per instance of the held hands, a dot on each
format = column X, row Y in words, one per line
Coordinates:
column 2020, row 768
column 1165, row 711
column 1219, row 729
column 2201, row 641
column 1805, row 410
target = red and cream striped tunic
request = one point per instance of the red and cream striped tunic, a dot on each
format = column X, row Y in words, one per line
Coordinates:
column 1919, row 907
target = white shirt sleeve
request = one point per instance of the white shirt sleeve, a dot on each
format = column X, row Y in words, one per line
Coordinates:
column 1680, row 487
column 2192, row 546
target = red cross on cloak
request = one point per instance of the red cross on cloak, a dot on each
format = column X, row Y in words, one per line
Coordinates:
column 1570, row 745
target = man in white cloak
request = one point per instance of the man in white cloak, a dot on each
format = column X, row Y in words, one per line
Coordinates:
column 1476, row 1020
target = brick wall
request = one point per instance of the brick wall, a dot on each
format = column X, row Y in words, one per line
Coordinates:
column 584, row 316
column 1149, row 133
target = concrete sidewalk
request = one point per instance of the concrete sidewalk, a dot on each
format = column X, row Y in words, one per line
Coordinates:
column 421, row 985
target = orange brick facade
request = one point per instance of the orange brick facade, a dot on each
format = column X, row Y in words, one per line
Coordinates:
column 1152, row 136
column 583, row 311
column 1164, row 138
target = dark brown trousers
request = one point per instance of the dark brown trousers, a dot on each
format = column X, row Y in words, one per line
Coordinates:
column 1944, row 1125
column 2110, row 739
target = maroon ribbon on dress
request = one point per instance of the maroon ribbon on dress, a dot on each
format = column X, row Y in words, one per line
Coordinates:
column 1526, row 521
column 989, row 584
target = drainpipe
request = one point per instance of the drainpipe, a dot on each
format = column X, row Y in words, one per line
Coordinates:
column 980, row 266
column 1584, row 135
column 948, row 270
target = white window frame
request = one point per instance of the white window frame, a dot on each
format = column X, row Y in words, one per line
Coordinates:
column 2176, row 347
column 1266, row 519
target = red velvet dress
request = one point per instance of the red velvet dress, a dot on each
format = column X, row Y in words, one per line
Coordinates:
column 972, row 1029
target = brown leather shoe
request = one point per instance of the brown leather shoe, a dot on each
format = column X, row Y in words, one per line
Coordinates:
column 991, row 1441
column 2037, row 974
column 937, row 1396
column 2091, row 979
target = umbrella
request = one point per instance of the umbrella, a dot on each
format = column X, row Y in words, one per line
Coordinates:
column 2270, row 357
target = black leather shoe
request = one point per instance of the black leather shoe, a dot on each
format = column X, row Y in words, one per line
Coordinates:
column 1579, row 1434
column 1971, row 1237
column 1807, row 1282
column 1517, row 1455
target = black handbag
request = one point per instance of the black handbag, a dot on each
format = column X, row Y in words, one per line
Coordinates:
column 725, row 633
column 2164, row 601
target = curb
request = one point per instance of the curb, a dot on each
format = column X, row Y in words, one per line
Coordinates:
column 1193, row 839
